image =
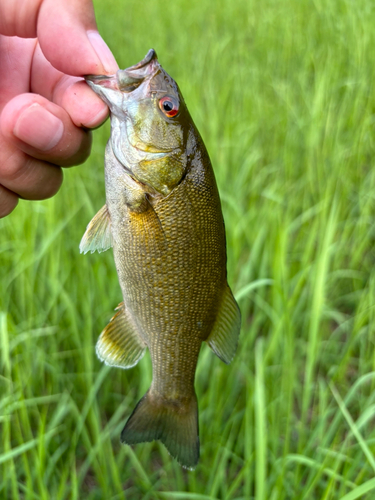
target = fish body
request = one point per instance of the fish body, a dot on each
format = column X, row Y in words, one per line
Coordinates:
column 163, row 219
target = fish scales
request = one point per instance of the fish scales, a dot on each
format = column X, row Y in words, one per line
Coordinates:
column 177, row 280
column 163, row 219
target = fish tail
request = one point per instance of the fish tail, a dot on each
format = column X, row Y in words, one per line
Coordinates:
column 173, row 422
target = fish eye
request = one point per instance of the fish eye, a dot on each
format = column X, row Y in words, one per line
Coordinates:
column 169, row 106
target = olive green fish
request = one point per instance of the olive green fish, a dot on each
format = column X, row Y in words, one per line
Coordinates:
column 163, row 219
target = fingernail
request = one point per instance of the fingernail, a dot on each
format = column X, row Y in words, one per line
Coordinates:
column 102, row 51
column 39, row 128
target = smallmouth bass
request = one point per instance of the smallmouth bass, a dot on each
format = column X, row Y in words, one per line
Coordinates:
column 163, row 219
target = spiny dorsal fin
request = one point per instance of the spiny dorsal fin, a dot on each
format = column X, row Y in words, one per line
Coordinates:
column 98, row 234
column 120, row 344
column 223, row 338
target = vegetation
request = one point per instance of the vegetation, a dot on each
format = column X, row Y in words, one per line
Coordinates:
column 283, row 94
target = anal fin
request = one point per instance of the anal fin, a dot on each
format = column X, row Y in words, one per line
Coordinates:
column 98, row 234
column 223, row 338
column 120, row 344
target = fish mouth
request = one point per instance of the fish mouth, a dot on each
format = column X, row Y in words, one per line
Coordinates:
column 126, row 80
column 116, row 89
column 150, row 56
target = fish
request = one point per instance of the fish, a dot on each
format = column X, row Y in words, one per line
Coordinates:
column 163, row 219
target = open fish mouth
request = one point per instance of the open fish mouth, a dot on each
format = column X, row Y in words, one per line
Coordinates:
column 150, row 56
column 122, row 92
column 127, row 80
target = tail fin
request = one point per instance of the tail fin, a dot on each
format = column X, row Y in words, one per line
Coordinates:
column 174, row 423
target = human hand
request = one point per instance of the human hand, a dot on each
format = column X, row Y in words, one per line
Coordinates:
column 45, row 113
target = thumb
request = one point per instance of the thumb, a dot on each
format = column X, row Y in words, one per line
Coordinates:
column 69, row 39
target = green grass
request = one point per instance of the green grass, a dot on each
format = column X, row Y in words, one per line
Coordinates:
column 283, row 94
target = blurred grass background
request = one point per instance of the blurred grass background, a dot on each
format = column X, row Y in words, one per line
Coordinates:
column 283, row 95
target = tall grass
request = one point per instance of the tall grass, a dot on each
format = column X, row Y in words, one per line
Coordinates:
column 282, row 92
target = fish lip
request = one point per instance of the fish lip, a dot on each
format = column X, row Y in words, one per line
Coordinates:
column 127, row 79
column 97, row 82
column 130, row 78
column 151, row 55
column 97, row 78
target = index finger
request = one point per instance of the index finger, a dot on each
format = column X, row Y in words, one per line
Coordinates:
column 66, row 30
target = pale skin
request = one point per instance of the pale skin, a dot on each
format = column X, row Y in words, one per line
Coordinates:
column 46, row 110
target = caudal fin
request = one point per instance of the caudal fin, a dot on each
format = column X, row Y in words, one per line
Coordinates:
column 174, row 423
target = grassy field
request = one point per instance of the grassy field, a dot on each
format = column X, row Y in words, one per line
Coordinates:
column 283, row 94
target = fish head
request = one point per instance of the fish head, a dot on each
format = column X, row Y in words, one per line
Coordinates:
column 149, row 122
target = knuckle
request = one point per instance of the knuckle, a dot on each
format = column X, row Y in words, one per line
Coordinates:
column 8, row 202
column 28, row 177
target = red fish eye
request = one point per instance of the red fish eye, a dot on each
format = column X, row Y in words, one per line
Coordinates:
column 169, row 106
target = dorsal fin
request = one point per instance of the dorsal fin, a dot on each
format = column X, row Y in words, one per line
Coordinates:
column 98, row 234
column 120, row 344
column 223, row 338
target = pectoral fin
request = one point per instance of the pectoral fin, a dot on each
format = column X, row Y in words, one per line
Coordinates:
column 98, row 234
column 223, row 338
column 120, row 344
